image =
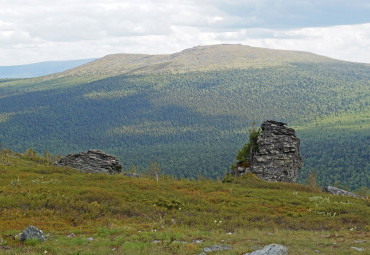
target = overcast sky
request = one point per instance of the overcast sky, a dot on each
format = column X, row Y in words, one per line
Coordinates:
column 43, row 30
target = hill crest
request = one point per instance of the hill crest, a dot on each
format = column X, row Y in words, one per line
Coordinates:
column 199, row 58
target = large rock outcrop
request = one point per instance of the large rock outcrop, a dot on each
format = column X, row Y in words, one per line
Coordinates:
column 277, row 157
column 93, row 161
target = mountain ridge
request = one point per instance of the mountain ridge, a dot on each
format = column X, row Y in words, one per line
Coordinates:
column 195, row 59
column 199, row 58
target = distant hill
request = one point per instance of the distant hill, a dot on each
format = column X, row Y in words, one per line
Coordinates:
column 40, row 69
column 200, row 58
column 190, row 111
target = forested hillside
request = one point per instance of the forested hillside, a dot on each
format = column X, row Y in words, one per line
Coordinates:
column 193, row 122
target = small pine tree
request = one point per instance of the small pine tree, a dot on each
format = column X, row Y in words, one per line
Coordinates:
column 311, row 180
column 47, row 156
column 133, row 169
column 245, row 155
column 336, row 184
column 154, row 170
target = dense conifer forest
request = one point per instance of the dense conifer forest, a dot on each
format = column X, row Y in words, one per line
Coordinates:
column 193, row 123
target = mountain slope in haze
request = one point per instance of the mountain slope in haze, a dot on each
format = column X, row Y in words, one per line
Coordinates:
column 194, row 120
column 40, row 69
column 200, row 58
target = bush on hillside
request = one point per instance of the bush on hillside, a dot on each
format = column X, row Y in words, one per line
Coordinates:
column 245, row 154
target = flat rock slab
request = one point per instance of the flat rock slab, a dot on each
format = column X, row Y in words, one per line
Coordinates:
column 216, row 247
column 32, row 233
column 338, row 191
column 132, row 175
column 358, row 249
column 271, row 249
column 93, row 161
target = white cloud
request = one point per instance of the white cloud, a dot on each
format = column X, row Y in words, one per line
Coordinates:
column 351, row 43
column 40, row 30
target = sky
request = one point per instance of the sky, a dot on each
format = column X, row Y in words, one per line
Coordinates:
column 47, row 30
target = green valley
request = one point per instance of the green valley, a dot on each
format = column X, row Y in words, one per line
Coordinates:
column 190, row 111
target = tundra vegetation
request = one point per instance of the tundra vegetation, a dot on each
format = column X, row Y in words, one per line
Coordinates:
column 83, row 213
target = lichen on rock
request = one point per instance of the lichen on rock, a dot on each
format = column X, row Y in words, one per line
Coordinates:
column 339, row 192
column 32, row 233
column 277, row 158
column 93, row 161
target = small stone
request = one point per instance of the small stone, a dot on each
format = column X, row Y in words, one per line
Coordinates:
column 316, row 251
column 272, row 249
column 180, row 242
column 197, row 241
column 17, row 237
column 156, row 241
column 90, row 239
column 32, row 233
column 359, row 241
column 229, row 233
column 71, row 235
column 217, row 247
column 132, row 175
column 357, row 249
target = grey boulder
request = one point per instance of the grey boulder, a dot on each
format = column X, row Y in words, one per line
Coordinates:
column 93, row 161
column 32, row 233
column 216, row 247
column 271, row 249
column 338, row 191
column 132, row 175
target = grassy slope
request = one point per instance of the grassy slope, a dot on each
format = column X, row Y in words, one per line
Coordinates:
column 125, row 215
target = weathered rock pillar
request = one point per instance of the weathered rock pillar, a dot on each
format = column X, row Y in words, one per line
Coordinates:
column 278, row 157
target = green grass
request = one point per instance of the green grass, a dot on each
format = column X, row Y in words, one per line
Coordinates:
column 125, row 215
